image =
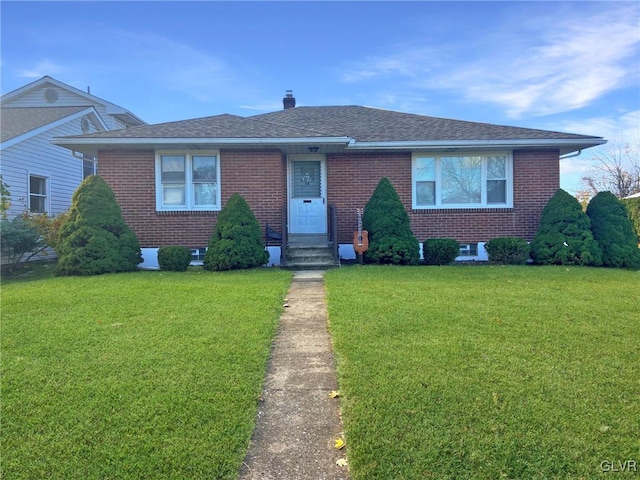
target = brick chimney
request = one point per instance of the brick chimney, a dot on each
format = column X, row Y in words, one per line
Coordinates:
column 289, row 100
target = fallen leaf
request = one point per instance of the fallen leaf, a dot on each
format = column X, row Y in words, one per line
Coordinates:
column 334, row 393
column 605, row 428
column 341, row 462
column 495, row 398
column 339, row 443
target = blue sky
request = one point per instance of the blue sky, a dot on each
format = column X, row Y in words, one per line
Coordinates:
column 568, row 66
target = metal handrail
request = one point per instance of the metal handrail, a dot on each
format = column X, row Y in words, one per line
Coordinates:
column 285, row 237
column 333, row 217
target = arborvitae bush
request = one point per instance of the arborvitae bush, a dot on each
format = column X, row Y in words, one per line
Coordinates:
column 94, row 238
column 613, row 231
column 390, row 237
column 564, row 236
column 633, row 211
column 440, row 251
column 174, row 258
column 236, row 242
column 508, row 250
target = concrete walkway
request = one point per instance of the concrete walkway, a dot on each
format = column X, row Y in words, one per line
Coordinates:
column 297, row 421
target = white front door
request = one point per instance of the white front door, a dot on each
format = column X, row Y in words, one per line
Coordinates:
column 307, row 186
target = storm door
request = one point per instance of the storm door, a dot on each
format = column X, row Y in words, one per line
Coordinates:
column 307, row 186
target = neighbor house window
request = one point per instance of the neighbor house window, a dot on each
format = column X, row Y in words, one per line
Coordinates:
column 38, row 194
column 89, row 167
column 187, row 181
column 462, row 181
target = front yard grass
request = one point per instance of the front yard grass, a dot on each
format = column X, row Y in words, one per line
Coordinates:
column 487, row 372
column 129, row 376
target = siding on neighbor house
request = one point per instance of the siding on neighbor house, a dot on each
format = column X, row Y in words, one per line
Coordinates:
column 36, row 156
column 260, row 176
column 66, row 98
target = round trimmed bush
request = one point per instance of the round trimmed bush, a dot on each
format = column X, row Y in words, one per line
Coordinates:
column 440, row 251
column 391, row 240
column 94, row 238
column 174, row 258
column 236, row 242
column 508, row 250
column 564, row 236
column 613, row 231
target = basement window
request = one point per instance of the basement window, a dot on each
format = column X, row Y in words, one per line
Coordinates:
column 469, row 250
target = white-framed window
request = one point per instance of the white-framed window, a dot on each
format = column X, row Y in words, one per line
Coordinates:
column 38, row 194
column 462, row 181
column 187, row 181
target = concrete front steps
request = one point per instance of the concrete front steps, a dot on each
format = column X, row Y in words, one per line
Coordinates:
column 310, row 253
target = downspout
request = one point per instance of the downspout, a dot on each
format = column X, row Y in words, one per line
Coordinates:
column 563, row 157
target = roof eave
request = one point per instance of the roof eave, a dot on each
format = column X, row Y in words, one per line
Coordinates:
column 564, row 145
column 91, row 146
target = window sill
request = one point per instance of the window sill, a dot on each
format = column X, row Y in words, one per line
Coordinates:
column 463, row 210
column 181, row 213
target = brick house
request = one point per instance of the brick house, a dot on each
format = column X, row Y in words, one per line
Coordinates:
column 305, row 170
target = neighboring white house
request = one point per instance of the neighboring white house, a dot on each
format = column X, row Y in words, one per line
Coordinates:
column 41, row 176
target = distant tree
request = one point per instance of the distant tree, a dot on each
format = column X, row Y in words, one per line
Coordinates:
column 633, row 210
column 236, row 242
column 616, row 169
column 564, row 236
column 390, row 237
column 94, row 238
column 613, row 231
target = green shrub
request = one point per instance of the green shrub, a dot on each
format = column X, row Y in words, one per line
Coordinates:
column 564, row 236
column 613, row 231
column 440, row 251
column 390, row 237
column 633, row 210
column 174, row 258
column 236, row 242
column 94, row 238
column 508, row 250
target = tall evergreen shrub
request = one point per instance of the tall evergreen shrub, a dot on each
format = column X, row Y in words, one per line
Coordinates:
column 94, row 238
column 236, row 242
column 564, row 236
column 390, row 237
column 633, row 211
column 613, row 231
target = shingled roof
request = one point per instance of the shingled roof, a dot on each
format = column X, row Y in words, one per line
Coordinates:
column 354, row 127
column 17, row 121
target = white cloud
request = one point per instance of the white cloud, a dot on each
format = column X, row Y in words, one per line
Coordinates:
column 41, row 69
column 546, row 64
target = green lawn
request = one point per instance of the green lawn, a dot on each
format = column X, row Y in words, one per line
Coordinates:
column 487, row 372
column 130, row 376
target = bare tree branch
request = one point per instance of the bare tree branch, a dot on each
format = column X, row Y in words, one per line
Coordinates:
column 616, row 169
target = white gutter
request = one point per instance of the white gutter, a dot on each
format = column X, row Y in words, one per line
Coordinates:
column 198, row 141
column 436, row 145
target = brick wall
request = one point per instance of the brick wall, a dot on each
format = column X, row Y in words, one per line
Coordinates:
column 260, row 177
column 536, row 178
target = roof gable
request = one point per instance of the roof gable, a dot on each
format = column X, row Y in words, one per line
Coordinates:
column 49, row 92
column 18, row 124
